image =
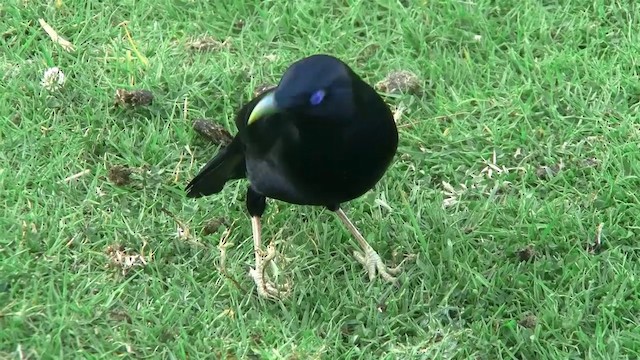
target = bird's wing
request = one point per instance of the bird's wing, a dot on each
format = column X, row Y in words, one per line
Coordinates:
column 227, row 165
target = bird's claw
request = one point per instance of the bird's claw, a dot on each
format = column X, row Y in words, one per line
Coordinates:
column 266, row 288
column 373, row 264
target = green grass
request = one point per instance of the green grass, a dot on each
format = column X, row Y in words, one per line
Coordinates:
column 540, row 83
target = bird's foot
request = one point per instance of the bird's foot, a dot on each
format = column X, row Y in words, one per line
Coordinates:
column 374, row 265
column 266, row 288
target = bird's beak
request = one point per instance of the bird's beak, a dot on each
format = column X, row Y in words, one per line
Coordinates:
column 266, row 106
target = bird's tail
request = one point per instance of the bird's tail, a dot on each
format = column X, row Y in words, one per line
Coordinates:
column 227, row 165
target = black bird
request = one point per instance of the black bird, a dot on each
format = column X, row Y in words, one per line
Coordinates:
column 321, row 137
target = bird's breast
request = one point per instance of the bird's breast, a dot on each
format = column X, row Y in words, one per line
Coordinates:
column 321, row 165
column 339, row 165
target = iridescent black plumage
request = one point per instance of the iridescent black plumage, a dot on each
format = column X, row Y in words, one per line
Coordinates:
column 322, row 137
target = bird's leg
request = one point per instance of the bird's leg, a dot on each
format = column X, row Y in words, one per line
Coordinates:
column 369, row 258
column 265, row 288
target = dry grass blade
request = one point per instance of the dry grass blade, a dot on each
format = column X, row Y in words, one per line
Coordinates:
column 597, row 241
column 68, row 46
column 126, row 260
column 75, row 176
column 223, row 245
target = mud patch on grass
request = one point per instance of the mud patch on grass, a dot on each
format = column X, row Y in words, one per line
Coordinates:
column 402, row 81
column 548, row 172
column 208, row 43
column 213, row 225
column 212, row 131
column 529, row 321
column 133, row 98
column 120, row 315
column 239, row 25
column 526, row 254
column 120, row 175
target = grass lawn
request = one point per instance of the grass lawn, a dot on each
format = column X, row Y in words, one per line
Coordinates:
column 515, row 185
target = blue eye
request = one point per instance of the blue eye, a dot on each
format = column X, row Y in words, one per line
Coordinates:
column 317, row 97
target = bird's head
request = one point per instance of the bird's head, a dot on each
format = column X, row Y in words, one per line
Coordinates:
column 319, row 86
